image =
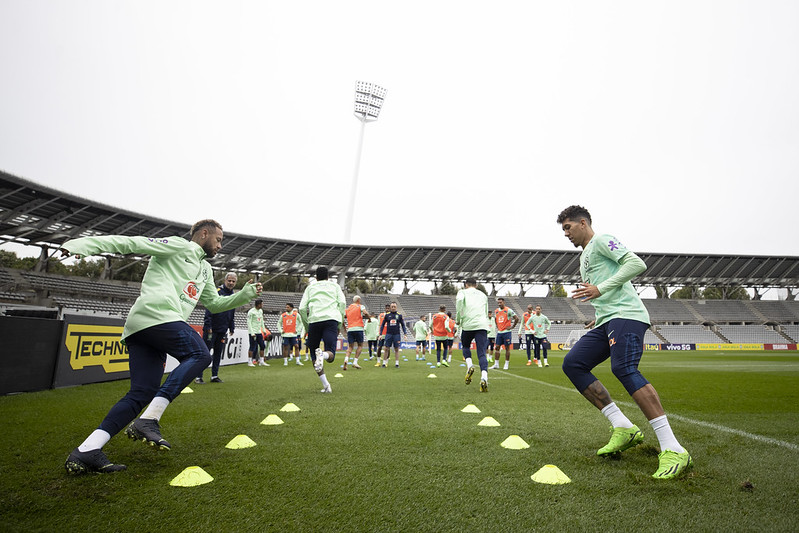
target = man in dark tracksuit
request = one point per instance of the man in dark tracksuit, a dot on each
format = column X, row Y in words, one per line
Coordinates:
column 215, row 328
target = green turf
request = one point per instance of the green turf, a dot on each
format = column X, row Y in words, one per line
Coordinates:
column 390, row 450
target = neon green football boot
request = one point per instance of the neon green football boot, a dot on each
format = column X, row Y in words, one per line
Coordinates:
column 672, row 464
column 622, row 439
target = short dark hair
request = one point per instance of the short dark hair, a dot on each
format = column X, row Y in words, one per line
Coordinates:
column 471, row 281
column 203, row 224
column 575, row 213
column 423, row 316
column 321, row 273
column 442, row 307
column 258, row 302
column 449, row 314
column 290, row 305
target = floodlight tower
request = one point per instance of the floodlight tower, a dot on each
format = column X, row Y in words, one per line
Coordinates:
column 368, row 102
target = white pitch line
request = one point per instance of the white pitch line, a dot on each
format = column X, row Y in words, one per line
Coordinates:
column 681, row 418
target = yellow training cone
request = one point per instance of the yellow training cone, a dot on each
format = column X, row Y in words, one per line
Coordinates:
column 271, row 420
column 515, row 442
column 432, row 376
column 339, row 375
column 551, row 475
column 471, row 408
column 191, row 477
column 489, row 421
column 289, row 407
column 239, row 442
column 187, row 390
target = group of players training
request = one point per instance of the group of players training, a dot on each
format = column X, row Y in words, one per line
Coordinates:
column 178, row 277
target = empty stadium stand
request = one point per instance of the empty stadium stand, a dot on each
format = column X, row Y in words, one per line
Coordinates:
column 756, row 334
column 675, row 321
column 686, row 334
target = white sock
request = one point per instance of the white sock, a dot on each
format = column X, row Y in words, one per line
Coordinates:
column 484, row 375
column 468, row 363
column 506, row 366
column 156, row 408
column 615, row 416
column 665, row 435
column 96, row 440
column 346, row 359
column 325, row 382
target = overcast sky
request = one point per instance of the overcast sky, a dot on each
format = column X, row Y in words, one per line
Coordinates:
column 675, row 123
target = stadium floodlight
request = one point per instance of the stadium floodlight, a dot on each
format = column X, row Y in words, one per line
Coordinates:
column 368, row 103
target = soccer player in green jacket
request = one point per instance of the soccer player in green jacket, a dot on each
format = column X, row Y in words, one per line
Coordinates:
column 606, row 267
column 177, row 278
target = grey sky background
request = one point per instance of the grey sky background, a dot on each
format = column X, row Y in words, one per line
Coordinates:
column 675, row 123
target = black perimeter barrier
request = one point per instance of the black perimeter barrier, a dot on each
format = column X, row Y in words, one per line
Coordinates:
column 28, row 353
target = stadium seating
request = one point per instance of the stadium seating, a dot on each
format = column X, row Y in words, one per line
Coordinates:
column 689, row 333
column 756, row 334
column 792, row 331
column 76, row 285
column 677, row 321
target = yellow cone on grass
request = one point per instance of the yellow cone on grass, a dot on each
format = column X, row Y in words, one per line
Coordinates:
column 471, row 408
column 339, row 375
column 191, row 477
column 515, row 442
column 432, row 376
column 239, row 442
column 187, row 390
column 551, row 475
column 289, row 407
column 489, row 421
column 271, row 420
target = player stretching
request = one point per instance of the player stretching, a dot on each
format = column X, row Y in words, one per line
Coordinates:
column 506, row 320
column 177, row 277
column 606, row 267
column 471, row 314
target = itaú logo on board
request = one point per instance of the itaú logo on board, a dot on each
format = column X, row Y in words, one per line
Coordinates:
column 90, row 345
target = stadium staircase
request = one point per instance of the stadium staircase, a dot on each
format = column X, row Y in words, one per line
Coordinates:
column 700, row 319
column 755, row 311
column 656, row 333
column 718, row 332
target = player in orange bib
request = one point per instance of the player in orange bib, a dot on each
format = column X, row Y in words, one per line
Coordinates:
column 441, row 329
column 506, row 320
column 287, row 325
column 355, row 314
column 381, row 335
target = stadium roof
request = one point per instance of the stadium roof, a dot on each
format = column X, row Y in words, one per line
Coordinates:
column 32, row 214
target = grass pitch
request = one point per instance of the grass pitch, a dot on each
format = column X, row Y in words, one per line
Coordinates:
column 390, row 450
